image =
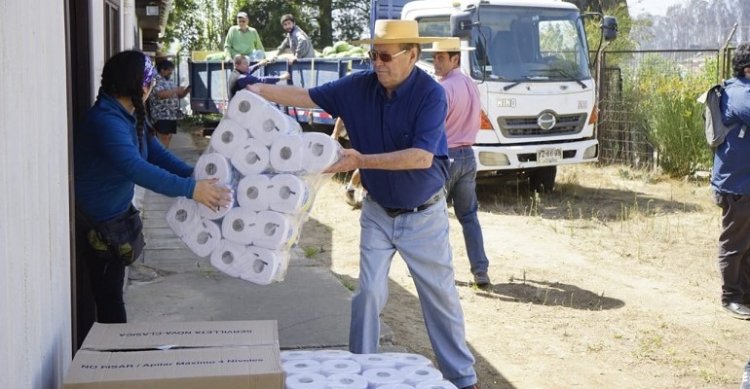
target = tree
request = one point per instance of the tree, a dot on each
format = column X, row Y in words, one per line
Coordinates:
column 350, row 19
column 185, row 26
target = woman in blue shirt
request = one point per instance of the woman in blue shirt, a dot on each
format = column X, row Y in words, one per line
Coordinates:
column 114, row 151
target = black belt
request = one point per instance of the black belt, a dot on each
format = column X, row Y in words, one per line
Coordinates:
column 393, row 212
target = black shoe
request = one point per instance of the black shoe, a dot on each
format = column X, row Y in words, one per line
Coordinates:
column 475, row 386
column 481, row 279
column 737, row 310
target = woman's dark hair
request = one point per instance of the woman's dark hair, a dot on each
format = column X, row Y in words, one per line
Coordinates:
column 123, row 76
column 741, row 59
column 164, row 65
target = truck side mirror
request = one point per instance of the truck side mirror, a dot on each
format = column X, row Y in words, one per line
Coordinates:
column 461, row 24
column 609, row 28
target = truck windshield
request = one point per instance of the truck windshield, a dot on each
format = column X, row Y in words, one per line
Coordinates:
column 521, row 44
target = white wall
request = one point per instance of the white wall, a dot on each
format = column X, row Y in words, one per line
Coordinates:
column 96, row 37
column 35, row 309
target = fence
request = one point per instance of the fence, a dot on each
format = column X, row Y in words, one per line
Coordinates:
column 623, row 130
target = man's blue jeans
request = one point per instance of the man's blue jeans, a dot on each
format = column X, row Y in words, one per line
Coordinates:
column 462, row 188
column 421, row 239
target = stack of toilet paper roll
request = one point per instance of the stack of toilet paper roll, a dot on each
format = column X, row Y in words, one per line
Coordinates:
column 274, row 171
column 320, row 369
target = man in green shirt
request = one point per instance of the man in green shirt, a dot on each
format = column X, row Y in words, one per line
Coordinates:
column 242, row 39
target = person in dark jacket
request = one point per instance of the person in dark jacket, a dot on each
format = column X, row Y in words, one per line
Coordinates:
column 730, row 181
column 296, row 40
column 114, row 151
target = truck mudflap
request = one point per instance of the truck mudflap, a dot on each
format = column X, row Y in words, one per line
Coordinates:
column 513, row 157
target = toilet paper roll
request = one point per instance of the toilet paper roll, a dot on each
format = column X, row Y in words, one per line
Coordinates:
column 292, row 126
column 259, row 265
column 319, row 151
column 347, row 381
column 213, row 165
column 183, row 216
column 305, row 381
column 238, row 225
column 273, row 231
column 287, row 355
column 251, row 157
column 436, row 385
column 228, row 136
column 369, row 361
column 215, row 214
column 416, row 374
column 203, row 240
column 380, row 376
column 269, row 124
column 286, row 154
column 245, row 108
column 225, row 257
column 324, row 355
column 252, row 192
column 409, row 359
column 340, row 366
column 396, row 386
column 288, row 193
column 299, row 366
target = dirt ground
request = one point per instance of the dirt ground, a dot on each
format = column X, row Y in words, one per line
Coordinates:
column 610, row 282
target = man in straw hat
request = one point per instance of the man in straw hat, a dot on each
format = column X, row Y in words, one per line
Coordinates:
column 395, row 115
column 462, row 125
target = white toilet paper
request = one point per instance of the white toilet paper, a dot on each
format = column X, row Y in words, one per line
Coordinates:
column 259, row 265
column 245, row 108
column 273, row 231
column 319, row 151
column 286, row 154
column 287, row 355
column 436, row 385
column 252, row 192
column 416, row 374
column 238, row 225
column 299, row 366
column 183, row 216
column 214, row 214
column 251, row 157
column 225, row 257
column 228, row 136
column 380, row 376
column 324, row 355
column 269, row 124
column 408, row 359
column 396, row 386
column 369, row 361
column 340, row 366
column 203, row 240
column 288, row 193
column 305, row 381
column 213, row 165
column 347, row 381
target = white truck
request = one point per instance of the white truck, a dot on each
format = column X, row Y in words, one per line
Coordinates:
column 531, row 64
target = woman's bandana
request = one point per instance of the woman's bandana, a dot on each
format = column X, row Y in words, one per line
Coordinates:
column 148, row 71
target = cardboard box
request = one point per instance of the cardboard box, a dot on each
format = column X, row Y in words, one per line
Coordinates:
column 230, row 354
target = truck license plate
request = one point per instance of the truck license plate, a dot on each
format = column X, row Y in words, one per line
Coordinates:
column 548, row 155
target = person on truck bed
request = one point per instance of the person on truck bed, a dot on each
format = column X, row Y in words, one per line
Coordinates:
column 242, row 75
column 296, row 40
column 395, row 117
column 242, row 39
column 462, row 125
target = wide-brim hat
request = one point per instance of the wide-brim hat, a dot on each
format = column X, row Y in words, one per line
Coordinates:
column 448, row 45
column 397, row 31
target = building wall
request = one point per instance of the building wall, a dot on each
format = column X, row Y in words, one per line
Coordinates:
column 35, row 304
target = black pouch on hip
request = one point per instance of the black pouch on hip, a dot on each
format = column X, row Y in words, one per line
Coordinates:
column 120, row 238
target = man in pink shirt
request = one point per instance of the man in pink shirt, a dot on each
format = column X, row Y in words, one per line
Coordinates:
column 462, row 125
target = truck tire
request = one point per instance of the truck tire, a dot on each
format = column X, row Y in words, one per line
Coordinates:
column 542, row 179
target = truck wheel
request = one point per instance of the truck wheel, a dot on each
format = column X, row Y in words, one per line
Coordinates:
column 542, row 180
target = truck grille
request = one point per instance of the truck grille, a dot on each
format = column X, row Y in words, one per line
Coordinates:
column 519, row 127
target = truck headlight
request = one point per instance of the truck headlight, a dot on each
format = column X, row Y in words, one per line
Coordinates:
column 488, row 158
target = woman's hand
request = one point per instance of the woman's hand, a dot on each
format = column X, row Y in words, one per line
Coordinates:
column 214, row 196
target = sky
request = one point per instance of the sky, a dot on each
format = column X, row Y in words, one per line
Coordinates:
column 654, row 7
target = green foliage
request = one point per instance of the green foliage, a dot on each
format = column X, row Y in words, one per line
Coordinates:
column 667, row 96
column 186, row 26
column 351, row 19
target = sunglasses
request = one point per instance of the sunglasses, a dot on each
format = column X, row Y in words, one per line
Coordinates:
column 385, row 57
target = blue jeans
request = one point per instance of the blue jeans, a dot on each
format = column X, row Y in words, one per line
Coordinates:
column 421, row 239
column 462, row 188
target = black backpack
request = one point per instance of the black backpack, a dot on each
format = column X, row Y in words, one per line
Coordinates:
column 715, row 129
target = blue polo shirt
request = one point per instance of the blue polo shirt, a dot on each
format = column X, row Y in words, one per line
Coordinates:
column 414, row 117
column 731, row 172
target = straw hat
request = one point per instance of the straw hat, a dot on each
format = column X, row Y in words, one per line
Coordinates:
column 397, row 31
column 447, row 46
